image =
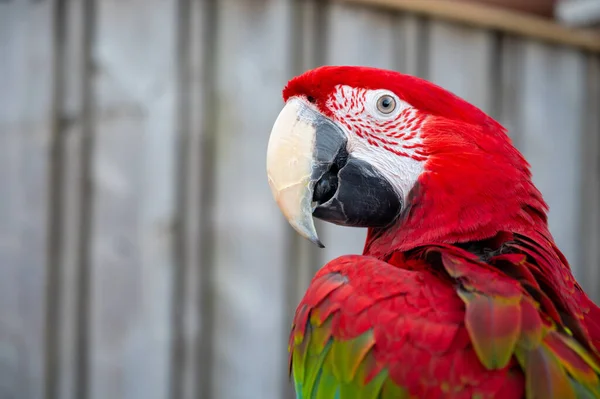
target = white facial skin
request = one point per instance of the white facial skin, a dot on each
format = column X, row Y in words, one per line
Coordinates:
column 389, row 138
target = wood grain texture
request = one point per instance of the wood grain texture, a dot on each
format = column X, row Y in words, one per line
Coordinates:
column 70, row 208
column 552, row 102
column 508, row 87
column 251, row 236
column 460, row 59
column 544, row 8
column 26, row 123
column 487, row 17
column 192, row 305
column 142, row 255
column 413, row 44
column 590, row 194
column 134, row 173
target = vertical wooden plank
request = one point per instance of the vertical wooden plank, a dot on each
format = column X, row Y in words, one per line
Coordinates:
column 360, row 35
column 192, row 305
column 304, row 258
column 590, row 194
column 70, row 209
column 253, row 63
column 460, row 60
column 413, row 41
column 26, row 121
column 553, row 106
column 134, row 199
column 357, row 36
column 508, row 86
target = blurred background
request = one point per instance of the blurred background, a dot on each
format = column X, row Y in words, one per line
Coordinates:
column 141, row 253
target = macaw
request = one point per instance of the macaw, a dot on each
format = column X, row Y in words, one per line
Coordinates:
column 461, row 291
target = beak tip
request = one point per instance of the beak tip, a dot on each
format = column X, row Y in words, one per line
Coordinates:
column 313, row 237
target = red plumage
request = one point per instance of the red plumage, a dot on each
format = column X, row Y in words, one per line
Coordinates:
column 468, row 270
column 418, row 326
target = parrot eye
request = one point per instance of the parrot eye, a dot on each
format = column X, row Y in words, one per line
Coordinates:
column 386, row 104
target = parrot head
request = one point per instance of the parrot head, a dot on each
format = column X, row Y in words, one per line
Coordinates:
column 414, row 163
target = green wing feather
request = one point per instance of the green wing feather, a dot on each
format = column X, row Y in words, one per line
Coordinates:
column 334, row 369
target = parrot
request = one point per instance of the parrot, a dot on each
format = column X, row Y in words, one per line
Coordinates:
column 460, row 291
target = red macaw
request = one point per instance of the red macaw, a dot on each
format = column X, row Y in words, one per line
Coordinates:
column 461, row 291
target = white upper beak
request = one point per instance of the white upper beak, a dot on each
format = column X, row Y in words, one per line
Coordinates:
column 290, row 165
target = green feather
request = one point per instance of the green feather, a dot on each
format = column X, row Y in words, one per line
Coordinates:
column 328, row 368
column 328, row 386
column 314, row 363
column 346, row 356
column 393, row 391
column 368, row 391
column 494, row 325
column 544, row 376
column 582, row 392
column 299, row 355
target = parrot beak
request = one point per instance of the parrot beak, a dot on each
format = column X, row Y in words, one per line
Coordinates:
column 291, row 165
column 311, row 173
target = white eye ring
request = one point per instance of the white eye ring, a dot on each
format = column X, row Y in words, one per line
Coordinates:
column 386, row 104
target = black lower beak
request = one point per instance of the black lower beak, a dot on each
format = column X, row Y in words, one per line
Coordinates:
column 349, row 191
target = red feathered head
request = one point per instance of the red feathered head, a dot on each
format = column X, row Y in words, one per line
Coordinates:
column 374, row 148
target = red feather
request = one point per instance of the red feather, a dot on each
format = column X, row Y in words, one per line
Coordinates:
column 417, row 322
column 466, row 293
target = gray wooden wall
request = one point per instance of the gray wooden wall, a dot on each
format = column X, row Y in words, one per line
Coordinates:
column 141, row 253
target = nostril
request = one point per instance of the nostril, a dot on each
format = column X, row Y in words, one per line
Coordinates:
column 326, row 186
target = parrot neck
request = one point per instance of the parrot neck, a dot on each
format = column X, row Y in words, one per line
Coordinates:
column 409, row 234
column 483, row 229
column 457, row 202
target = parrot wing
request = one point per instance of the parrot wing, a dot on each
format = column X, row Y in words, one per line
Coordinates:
column 440, row 323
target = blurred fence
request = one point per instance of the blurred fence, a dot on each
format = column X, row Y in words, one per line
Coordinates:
column 141, row 253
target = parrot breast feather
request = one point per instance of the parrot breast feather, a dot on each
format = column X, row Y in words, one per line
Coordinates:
column 438, row 322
